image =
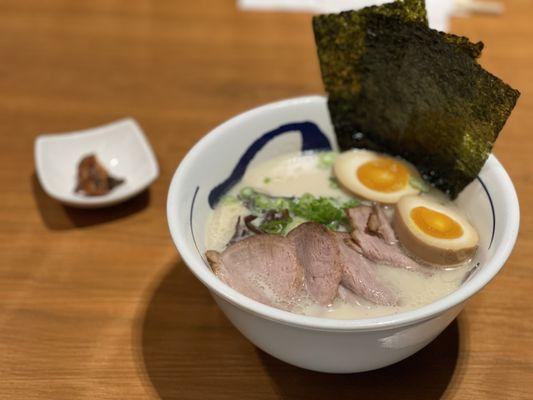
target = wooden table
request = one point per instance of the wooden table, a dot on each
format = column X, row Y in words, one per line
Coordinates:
column 98, row 304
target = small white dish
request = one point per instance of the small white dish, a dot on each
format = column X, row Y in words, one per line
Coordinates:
column 120, row 147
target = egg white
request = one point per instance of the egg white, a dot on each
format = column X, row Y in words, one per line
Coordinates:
column 345, row 170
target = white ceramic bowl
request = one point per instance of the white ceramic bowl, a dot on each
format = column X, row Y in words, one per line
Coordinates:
column 322, row 344
column 120, row 146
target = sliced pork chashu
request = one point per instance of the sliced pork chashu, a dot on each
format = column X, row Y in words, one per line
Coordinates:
column 359, row 274
column 318, row 253
column 262, row 267
column 373, row 246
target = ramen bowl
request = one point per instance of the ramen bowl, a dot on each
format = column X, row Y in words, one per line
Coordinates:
column 220, row 159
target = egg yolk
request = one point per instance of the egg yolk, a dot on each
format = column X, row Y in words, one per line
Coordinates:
column 383, row 175
column 436, row 224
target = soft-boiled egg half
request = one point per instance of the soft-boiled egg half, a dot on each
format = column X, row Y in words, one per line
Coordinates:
column 433, row 232
column 375, row 176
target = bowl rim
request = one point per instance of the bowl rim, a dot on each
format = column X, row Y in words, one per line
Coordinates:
column 428, row 311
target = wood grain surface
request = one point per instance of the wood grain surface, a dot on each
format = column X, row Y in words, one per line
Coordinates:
column 98, row 305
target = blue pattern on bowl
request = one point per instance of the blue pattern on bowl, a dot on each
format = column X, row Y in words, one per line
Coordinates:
column 312, row 139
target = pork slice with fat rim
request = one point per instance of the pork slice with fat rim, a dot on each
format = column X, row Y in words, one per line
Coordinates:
column 262, row 267
column 359, row 275
column 318, row 253
column 378, row 224
column 374, row 247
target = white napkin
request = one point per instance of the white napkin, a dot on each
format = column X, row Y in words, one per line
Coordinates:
column 315, row 6
column 439, row 11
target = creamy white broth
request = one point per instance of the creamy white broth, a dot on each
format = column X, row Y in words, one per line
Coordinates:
column 296, row 174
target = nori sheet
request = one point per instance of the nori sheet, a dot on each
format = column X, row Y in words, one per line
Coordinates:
column 464, row 44
column 423, row 98
column 340, row 40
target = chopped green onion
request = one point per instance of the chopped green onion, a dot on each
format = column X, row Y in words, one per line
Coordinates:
column 325, row 210
column 321, row 209
column 419, row 184
column 333, row 183
column 326, row 159
column 229, row 199
column 275, row 226
column 293, row 224
column 259, row 202
column 351, row 203
column 247, row 192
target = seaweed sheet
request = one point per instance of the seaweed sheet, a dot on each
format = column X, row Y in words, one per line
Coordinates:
column 340, row 40
column 424, row 98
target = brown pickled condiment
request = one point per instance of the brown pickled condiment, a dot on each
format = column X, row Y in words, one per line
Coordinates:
column 93, row 178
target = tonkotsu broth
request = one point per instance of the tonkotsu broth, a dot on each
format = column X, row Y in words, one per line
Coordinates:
column 296, row 174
